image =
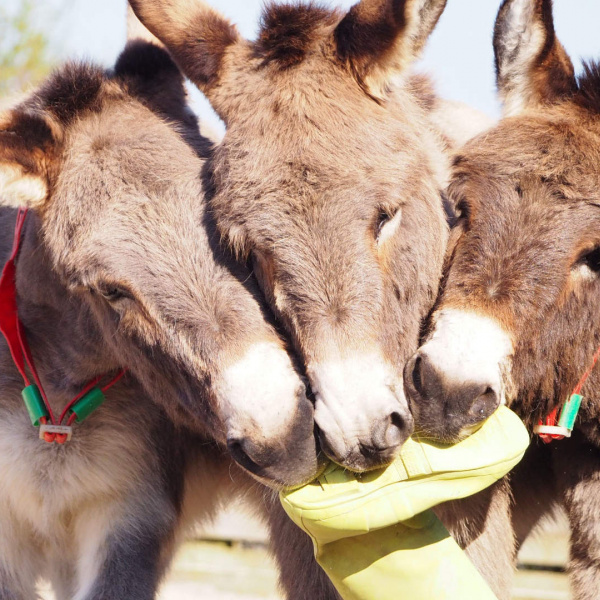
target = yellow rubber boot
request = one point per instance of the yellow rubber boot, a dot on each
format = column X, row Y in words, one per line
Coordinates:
column 371, row 532
column 415, row 560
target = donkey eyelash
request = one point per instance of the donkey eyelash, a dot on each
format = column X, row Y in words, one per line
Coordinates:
column 112, row 293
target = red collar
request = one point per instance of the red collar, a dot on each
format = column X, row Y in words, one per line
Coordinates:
column 34, row 396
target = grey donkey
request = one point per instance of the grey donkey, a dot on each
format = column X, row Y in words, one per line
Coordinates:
column 119, row 268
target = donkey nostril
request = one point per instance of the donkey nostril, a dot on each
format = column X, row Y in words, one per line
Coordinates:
column 239, row 450
column 416, row 375
column 393, row 432
column 236, row 448
column 397, row 431
column 485, row 404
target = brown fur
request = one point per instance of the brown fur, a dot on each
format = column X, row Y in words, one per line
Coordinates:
column 290, row 31
column 310, row 171
column 525, row 253
column 380, row 38
column 203, row 41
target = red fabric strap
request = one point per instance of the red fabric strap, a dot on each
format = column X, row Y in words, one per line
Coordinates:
column 10, row 325
column 12, row 329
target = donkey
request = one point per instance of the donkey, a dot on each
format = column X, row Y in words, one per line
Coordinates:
column 119, row 269
column 328, row 180
column 517, row 321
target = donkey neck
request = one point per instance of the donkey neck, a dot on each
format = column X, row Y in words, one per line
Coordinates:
column 66, row 346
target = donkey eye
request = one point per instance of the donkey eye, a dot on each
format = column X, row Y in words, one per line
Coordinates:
column 387, row 224
column 591, row 260
column 462, row 210
column 382, row 218
column 113, row 293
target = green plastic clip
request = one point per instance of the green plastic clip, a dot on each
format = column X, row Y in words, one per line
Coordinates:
column 88, row 404
column 35, row 404
column 569, row 412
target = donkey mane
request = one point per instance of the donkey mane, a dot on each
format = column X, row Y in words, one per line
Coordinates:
column 589, row 86
column 144, row 60
column 68, row 92
column 76, row 87
column 289, row 31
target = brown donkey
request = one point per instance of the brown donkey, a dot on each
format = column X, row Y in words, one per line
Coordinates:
column 329, row 180
column 118, row 268
column 519, row 320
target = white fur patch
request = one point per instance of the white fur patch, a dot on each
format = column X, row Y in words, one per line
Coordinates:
column 259, row 393
column 91, row 531
column 467, row 347
column 18, row 189
column 582, row 273
column 352, row 395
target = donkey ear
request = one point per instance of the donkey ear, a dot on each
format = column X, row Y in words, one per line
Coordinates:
column 136, row 31
column 197, row 37
column 532, row 67
column 26, row 146
column 380, row 38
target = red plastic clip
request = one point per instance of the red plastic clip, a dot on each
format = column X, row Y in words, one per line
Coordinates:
column 549, row 430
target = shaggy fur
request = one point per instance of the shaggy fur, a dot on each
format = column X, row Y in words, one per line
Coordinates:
column 379, row 39
column 526, row 253
column 290, row 31
column 307, row 182
column 119, row 268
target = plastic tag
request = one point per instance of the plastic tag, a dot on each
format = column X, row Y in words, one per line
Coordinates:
column 57, row 429
column 552, row 430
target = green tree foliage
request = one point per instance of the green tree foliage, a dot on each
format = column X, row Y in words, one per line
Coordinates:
column 25, row 54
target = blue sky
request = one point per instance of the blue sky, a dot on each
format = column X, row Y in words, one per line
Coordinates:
column 459, row 55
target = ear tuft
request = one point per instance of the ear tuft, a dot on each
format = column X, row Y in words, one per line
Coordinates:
column 289, row 31
column 532, row 67
column 18, row 188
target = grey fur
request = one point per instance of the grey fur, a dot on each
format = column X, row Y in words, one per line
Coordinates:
column 119, row 160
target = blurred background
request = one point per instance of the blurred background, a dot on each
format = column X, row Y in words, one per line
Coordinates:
column 36, row 34
column 229, row 561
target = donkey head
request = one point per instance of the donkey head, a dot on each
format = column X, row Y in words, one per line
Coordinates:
column 328, row 179
column 119, row 207
column 518, row 318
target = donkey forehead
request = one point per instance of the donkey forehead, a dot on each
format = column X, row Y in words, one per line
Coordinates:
column 321, row 173
column 521, row 240
column 126, row 180
column 125, row 156
column 317, row 104
column 559, row 145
